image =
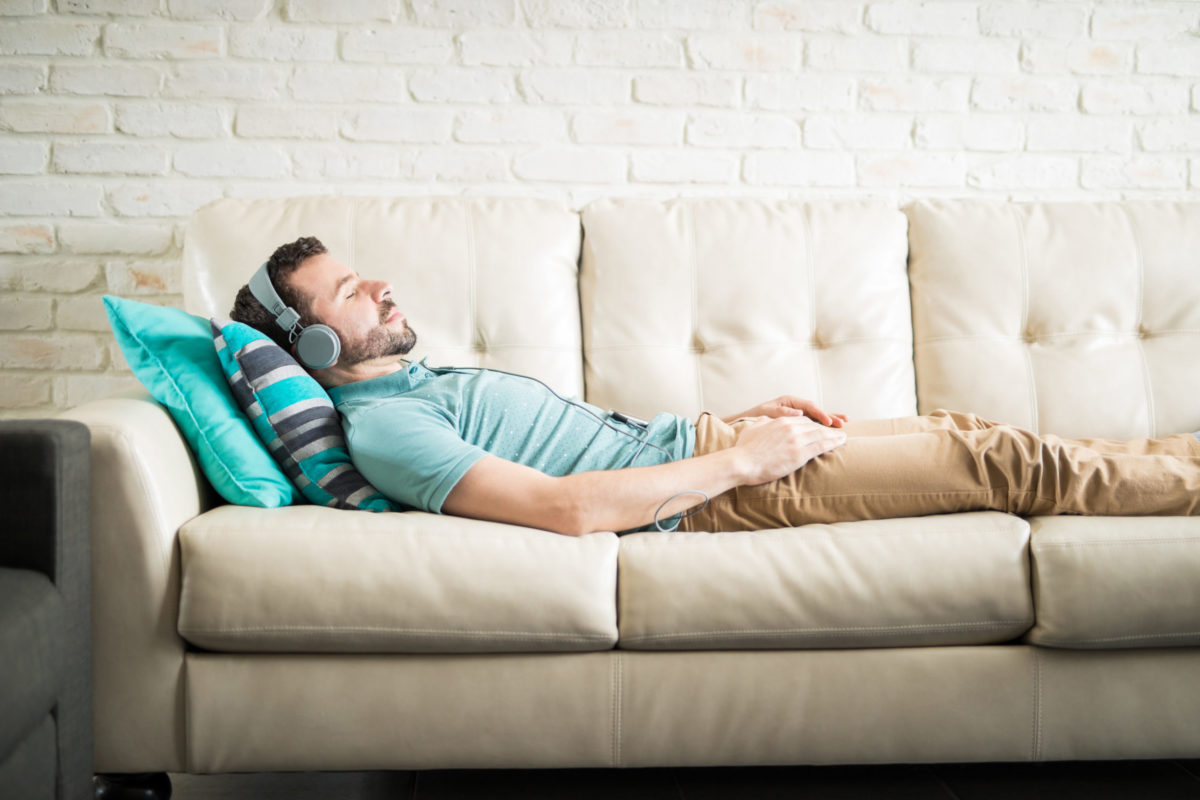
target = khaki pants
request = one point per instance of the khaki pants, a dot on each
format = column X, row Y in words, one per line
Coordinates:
column 948, row 462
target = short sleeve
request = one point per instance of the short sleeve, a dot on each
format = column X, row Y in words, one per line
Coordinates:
column 411, row 452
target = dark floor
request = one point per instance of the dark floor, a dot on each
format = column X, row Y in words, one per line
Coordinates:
column 1103, row 780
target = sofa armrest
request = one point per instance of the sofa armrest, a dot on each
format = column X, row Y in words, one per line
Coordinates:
column 44, row 484
column 145, row 485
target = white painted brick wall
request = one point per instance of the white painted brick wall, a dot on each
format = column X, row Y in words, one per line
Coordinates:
column 118, row 118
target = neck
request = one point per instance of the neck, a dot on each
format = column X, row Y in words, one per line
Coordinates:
column 339, row 375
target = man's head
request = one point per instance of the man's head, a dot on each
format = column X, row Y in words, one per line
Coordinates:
column 324, row 290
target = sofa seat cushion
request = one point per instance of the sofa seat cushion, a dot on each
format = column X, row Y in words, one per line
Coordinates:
column 943, row 580
column 321, row 580
column 1112, row 582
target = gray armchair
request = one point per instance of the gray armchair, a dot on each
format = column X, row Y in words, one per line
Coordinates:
column 45, row 611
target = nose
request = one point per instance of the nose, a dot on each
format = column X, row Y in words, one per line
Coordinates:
column 380, row 290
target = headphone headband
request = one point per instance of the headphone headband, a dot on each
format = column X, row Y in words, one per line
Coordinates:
column 264, row 292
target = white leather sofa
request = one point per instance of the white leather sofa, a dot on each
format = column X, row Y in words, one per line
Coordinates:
column 304, row 638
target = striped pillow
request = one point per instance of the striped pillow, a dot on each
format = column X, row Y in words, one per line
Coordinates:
column 294, row 418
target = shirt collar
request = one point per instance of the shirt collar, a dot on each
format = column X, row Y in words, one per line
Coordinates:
column 390, row 385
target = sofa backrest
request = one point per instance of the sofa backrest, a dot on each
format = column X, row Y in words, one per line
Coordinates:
column 485, row 282
column 718, row 304
column 1077, row 319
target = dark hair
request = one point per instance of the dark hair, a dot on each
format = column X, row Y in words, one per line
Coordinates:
column 282, row 263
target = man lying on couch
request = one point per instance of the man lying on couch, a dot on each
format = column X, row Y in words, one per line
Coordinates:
column 492, row 445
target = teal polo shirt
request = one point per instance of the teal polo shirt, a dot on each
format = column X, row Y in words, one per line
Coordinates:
column 414, row 433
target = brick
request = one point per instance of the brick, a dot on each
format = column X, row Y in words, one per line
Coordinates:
column 511, row 125
column 36, row 199
column 1111, row 97
column 1025, row 172
column 109, row 158
column 814, row 16
column 917, row 94
column 116, row 236
column 34, row 116
column 692, row 15
column 799, row 169
column 1196, row 97
column 590, row 15
column 83, row 313
column 143, row 277
column 631, row 126
column 857, row 55
column 128, row 8
column 464, row 13
column 465, row 165
column 972, row 56
column 688, row 89
column 459, row 85
column 48, row 38
column 31, row 274
column 342, row 10
column 966, row 132
column 339, row 162
column 1024, row 94
column 935, row 18
column 629, row 49
column 929, row 170
column 73, row 390
column 571, row 165
column 574, row 86
column 231, row 160
column 737, row 129
column 240, row 10
column 1195, row 172
column 339, row 84
column 26, row 238
column 799, row 92
column 674, row 166
column 399, row 125
column 22, row 157
column 1055, row 20
column 286, row 122
column 183, row 120
column 283, row 43
column 161, row 199
column 1170, row 134
column 26, row 313
column 61, row 351
column 1133, row 172
column 1145, row 22
column 128, row 80
column 398, row 46
column 22, row 8
column 743, row 52
column 23, row 391
column 198, row 82
column 854, row 132
column 162, row 40
column 1169, row 59
column 1081, row 57
column 516, row 48
column 22, row 78
column 1074, row 134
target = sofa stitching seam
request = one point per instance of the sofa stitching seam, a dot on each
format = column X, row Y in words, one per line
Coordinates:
column 1141, row 314
column 879, row 629
column 1037, row 706
column 1024, row 263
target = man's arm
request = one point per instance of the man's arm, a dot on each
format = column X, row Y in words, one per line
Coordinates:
column 616, row 500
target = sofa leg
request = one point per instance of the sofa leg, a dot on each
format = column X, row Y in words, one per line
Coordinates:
column 132, row 786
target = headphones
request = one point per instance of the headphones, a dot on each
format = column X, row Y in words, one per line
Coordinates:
column 317, row 346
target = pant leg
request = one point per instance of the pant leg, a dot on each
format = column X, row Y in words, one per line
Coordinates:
column 1180, row 444
column 943, row 469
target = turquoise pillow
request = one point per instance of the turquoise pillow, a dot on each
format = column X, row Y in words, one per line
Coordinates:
column 294, row 417
column 171, row 353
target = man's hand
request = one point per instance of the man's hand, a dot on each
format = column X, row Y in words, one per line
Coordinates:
column 774, row 448
column 789, row 406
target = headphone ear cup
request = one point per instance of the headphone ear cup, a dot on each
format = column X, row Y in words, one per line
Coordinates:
column 318, row 347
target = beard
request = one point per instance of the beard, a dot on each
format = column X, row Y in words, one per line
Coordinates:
column 380, row 342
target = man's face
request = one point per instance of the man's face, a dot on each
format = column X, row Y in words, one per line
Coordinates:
column 360, row 311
